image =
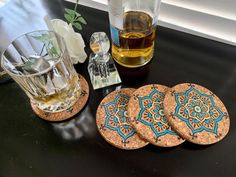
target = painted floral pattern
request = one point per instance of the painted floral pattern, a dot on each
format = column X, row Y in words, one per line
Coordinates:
column 152, row 113
column 117, row 117
column 198, row 111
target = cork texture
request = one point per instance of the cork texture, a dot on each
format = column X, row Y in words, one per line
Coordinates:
column 146, row 111
column 113, row 121
column 196, row 113
column 70, row 112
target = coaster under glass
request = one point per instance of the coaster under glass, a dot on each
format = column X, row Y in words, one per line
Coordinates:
column 71, row 111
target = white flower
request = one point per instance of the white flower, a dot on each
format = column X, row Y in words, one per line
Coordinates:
column 74, row 41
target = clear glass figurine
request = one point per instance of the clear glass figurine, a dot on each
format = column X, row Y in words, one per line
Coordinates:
column 101, row 67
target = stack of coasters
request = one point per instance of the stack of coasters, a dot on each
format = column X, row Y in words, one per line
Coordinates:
column 146, row 111
column 165, row 117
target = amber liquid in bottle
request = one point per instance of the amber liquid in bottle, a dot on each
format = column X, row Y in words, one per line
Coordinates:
column 136, row 41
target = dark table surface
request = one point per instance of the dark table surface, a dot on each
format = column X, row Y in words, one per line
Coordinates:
column 31, row 147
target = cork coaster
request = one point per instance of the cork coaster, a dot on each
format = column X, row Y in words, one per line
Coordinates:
column 113, row 122
column 63, row 115
column 147, row 116
column 196, row 113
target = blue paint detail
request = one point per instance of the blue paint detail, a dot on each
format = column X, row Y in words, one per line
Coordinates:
column 149, row 115
column 119, row 118
column 186, row 111
column 116, row 120
column 156, row 106
column 206, row 110
column 211, row 113
column 149, row 105
column 207, row 121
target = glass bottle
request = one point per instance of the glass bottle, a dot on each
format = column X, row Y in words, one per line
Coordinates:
column 133, row 26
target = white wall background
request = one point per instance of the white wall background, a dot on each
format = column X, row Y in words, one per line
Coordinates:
column 213, row 19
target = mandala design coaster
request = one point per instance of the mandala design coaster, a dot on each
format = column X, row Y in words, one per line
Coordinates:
column 147, row 116
column 196, row 113
column 113, row 122
column 70, row 112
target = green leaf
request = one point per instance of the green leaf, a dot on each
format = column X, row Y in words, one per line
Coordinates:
column 72, row 13
column 69, row 18
column 77, row 14
column 78, row 26
column 42, row 37
column 81, row 20
column 69, row 11
column 52, row 52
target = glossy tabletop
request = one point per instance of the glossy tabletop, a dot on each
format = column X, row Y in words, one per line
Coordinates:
column 32, row 147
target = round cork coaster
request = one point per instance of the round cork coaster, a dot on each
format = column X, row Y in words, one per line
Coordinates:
column 196, row 113
column 70, row 112
column 113, row 122
column 147, row 116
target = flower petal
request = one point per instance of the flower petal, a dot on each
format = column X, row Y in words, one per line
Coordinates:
column 74, row 41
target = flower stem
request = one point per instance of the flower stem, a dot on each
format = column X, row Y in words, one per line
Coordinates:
column 77, row 2
column 75, row 8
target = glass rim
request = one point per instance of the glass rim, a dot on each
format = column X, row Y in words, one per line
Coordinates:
column 38, row 73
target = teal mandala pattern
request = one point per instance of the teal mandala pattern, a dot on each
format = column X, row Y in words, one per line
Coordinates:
column 117, row 117
column 198, row 111
column 152, row 113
